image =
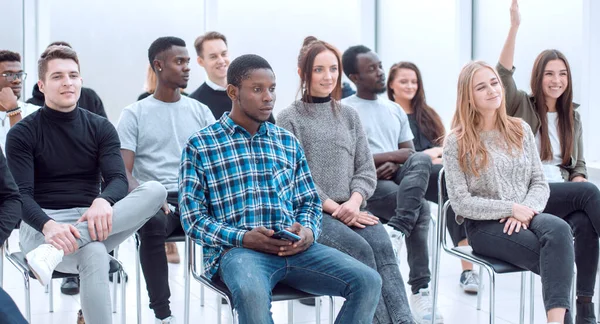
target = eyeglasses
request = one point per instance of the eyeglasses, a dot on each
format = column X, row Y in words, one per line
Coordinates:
column 10, row 77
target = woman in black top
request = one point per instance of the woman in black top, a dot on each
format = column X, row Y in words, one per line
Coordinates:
column 405, row 87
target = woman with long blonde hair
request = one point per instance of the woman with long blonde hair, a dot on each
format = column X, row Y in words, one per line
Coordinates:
column 497, row 187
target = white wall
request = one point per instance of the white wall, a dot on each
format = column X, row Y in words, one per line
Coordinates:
column 431, row 34
column 11, row 37
column 112, row 39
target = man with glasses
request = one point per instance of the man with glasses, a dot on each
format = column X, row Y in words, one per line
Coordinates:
column 12, row 110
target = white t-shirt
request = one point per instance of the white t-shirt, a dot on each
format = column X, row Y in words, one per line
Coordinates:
column 157, row 132
column 26, row 109
column 551, row 167
column 384, row 121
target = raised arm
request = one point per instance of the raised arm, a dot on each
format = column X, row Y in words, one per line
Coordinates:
column 508, row 51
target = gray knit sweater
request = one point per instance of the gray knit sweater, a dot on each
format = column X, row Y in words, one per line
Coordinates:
column 336, row 149
column 507, row 179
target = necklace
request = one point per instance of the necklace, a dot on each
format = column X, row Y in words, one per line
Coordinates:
column 4, row 119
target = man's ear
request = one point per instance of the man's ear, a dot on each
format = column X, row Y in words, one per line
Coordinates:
column 200, row 61
column 40, row 84
column 157, row 66
column 232, row 92
column 354, row 78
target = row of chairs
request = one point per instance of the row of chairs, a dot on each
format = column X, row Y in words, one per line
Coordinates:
column 280, row 292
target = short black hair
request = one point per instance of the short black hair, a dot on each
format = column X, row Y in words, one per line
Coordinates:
column 349, row 61
column 241, row 67
column 8, row 56
column 162, row 44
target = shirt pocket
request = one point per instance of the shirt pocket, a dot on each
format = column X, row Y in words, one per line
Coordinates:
column 283, row 181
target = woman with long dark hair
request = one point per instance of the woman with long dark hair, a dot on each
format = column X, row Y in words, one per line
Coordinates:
column 556, row 124
column 405, row 87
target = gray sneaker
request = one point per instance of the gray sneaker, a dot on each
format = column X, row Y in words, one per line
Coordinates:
column 469, row 281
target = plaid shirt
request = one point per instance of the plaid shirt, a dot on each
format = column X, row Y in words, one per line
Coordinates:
column 231, row 182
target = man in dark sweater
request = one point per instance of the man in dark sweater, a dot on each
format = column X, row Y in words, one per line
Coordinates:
column 89, row 99
column 10, row 213
column 213, row 56
column 57, row 156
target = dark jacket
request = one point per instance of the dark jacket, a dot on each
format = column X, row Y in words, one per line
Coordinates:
column 522, row 105
column 89, row 100
column 10, row 201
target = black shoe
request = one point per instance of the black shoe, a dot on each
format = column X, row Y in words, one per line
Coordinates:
column 307, row 301
column 110, row 278
column 70, row 286
column 585, row 314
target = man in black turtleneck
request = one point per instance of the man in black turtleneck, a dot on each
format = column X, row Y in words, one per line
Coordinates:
column 213, row 56
column 89, row 99
column 57, row 156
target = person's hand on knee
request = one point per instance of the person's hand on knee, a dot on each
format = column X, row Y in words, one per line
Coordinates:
column 61, row 236
column 99, row 219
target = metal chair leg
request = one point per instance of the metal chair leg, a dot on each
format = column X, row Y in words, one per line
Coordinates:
column 187, row 274
column 27, row 296
column 331, row 310
column 290, row 312
column 219, row 309
column 123, row 298
column 1, row 265
column 522, row 298
column 138, row 297
column 50, row 296
column 492, row 276
column 573, row 298
column 318, row 310
column 480, row 290
column 531, row 297
column 114, row 283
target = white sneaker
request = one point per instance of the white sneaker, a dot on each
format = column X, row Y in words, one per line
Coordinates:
column 396, row 237
column 43, row 260
column 421, row 307
column 168, row 320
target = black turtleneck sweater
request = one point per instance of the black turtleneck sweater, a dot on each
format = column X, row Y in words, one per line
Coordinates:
column 217, row 101
column 10, row 201
column 56, row 159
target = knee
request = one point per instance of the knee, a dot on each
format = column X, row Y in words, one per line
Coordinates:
column 560, row 230
column 591, row 189
column 422, row 160
column 154, row 191
column 368, row 283
column 364, row 252
column 250, row 293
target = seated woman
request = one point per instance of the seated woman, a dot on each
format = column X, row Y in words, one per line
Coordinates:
column 342, row 167
column 405, row 87
column 556, row 124
column 497, row 187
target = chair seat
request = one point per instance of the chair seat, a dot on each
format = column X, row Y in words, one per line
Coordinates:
column 281, row 292
column 19, row 257
column 499, row 266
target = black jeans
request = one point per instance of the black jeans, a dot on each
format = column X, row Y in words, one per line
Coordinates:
column 154, row 259
column 545, row 248
column 457, row 231
column 578, row 203
column 9, row 312
column 400, row 202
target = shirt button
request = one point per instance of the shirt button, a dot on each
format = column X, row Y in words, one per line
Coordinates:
column 256, row 161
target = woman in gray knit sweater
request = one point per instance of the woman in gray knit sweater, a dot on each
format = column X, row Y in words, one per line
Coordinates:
column 496, row 183
column 342, row 166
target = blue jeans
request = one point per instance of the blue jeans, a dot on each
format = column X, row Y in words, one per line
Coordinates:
column 9, row 312
column 371, row 245
column 251, row 275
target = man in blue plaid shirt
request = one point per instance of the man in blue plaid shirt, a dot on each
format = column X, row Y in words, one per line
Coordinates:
column 243, row 179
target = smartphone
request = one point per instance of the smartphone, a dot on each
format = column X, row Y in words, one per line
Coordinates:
column 286, row 235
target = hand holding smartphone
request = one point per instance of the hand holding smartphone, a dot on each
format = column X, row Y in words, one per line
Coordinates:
column 286, row 235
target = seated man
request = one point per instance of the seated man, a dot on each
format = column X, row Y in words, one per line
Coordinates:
column 155, row 155
column 241, row 181
column 57, row 156
column 10, row 214
column 11, row 86
column 402, row 174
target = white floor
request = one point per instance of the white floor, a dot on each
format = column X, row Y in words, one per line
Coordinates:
column 456, row 306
